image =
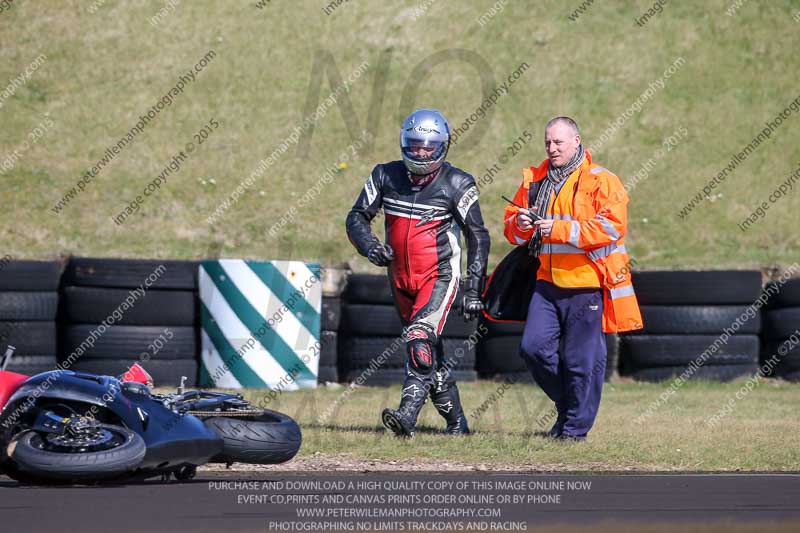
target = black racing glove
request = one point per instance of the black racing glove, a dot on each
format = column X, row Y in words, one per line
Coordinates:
column 380, row 254
column 471, row 303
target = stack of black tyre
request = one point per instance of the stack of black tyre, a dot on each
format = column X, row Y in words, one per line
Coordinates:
column 28, row 308
column 499, row 358
column 371, row 325
column 780, row 355
column 329, row 338
column 159, row 330
column 685, row 313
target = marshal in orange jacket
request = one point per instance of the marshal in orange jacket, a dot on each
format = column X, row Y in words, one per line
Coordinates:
column 587, row 245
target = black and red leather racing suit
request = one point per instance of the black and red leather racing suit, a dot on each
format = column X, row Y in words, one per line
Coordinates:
column 423, row 227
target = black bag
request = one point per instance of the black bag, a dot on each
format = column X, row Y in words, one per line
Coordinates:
column 510, row 287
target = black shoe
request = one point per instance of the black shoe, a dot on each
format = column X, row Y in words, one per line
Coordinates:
column 394, row 422
column 558, row 428
column 571, row 438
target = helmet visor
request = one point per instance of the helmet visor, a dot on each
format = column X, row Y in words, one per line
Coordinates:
column 421, row 150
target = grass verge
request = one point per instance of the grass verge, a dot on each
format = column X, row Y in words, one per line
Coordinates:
column 757, row 436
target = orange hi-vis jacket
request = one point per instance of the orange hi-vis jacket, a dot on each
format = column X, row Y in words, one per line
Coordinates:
column 586, row 247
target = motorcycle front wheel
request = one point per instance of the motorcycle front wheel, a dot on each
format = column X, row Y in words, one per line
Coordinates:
column 268, row 438
column 103, row 452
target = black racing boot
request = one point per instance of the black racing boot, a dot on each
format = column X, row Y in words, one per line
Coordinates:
column 420, row 344
column 447, row 401
column 403, row 420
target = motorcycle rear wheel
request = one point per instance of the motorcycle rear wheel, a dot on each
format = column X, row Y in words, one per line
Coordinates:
column 268, row 438
column 110, row 452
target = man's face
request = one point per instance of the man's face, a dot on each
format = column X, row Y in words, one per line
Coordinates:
column 419, row 149
column 561, row 142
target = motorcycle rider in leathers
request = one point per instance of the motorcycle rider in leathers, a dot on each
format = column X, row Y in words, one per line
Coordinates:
column 427, row 203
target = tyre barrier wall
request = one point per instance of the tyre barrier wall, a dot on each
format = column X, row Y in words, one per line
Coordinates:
column 329, row 339
column 48, row 310
column 708, row 321
column 28, row 311
column 116, row 312
column 697, row 324
column 781, row 333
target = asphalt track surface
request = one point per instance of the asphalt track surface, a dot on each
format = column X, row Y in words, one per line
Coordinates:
column 220, row 501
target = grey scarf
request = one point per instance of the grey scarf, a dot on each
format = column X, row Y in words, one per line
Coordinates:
column 546, row 190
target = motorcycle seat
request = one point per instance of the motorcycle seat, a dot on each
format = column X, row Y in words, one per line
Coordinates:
column 9, row 383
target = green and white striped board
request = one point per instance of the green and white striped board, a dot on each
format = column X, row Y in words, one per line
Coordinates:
column 260, row 324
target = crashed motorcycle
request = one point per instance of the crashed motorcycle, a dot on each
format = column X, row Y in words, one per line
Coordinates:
column 75, row 427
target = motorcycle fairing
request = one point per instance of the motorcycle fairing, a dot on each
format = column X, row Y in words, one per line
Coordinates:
column 9, row 383
column 170, row 438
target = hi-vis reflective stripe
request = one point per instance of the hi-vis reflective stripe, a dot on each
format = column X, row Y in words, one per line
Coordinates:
column 607, row 250
column 561, row 217
column 260, row 323
column 561, row 249
column 608, row 227
column 598, row 170
column 574, row 233
column 620, row 292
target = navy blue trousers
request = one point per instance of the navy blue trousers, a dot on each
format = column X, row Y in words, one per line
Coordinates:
column 565, row 349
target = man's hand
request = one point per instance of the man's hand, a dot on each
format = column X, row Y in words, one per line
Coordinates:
column 380, row 254
column 524, row 220
column 545, row 226
column 471, row 303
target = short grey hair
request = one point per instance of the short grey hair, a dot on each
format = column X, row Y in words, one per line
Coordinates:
column 566, row 121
